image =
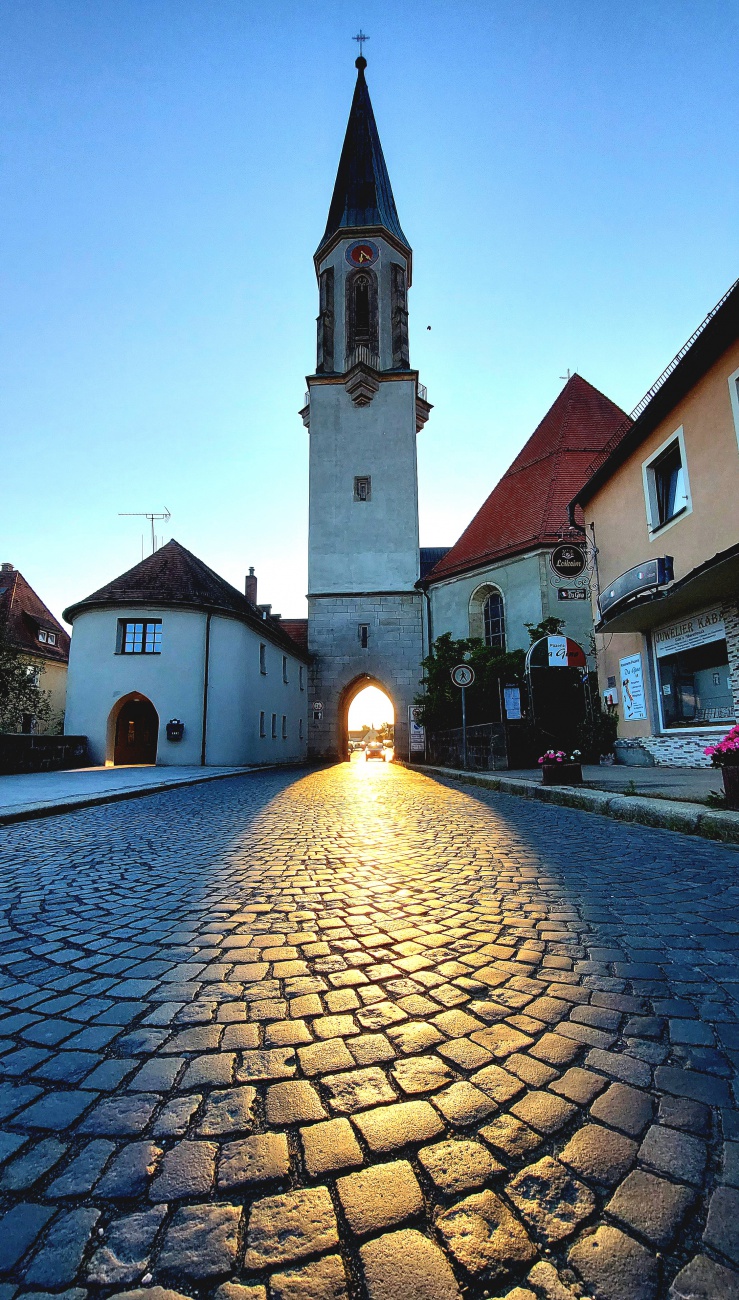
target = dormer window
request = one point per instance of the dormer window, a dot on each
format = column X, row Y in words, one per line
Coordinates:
column 45, row 637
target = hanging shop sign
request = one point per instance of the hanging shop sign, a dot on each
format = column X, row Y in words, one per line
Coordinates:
column 632, row 686
column 653, row 573
column 568, row 560
column 572, row 593
column 687, row 633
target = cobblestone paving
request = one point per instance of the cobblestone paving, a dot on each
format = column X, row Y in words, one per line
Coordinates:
column 360, row 1033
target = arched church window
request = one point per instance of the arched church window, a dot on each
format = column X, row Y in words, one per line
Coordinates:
column 361, row 314
column 494, row 621
column 361, row 310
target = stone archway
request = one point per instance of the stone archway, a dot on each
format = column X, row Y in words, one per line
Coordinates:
column 348, row 695
column 133, row 732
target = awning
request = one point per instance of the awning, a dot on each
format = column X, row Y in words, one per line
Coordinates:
column 715, row 580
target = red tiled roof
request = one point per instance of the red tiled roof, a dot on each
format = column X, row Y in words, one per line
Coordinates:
column 174, row 576
column 528, row 507
column 297, row 628
column 25, row 614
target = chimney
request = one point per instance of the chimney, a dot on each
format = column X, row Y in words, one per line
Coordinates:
column 6, row 568
column 250, row 586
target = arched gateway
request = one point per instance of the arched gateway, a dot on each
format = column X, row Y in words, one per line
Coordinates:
column 364, row 409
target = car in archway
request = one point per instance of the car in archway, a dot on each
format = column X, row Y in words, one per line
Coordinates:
column 374, row 749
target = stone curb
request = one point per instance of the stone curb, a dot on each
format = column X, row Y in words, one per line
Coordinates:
column 665, row 814
column 30, row 811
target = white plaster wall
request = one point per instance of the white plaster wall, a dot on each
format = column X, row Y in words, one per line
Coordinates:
column 172, row 680
column 528, row 594
column 238, row 691
column 357, row 546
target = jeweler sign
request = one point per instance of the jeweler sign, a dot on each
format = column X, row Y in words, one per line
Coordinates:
column 695, row 630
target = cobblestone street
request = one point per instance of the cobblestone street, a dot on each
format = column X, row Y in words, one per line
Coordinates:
column 360, row 1033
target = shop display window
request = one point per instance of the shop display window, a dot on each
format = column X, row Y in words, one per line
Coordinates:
column 694, row 687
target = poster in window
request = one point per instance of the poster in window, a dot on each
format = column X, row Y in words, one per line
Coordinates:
column 632, row 688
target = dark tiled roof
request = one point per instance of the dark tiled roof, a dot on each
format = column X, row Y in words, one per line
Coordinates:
column 297, row 629
column 362, row 194
column 528, row 507
column 429, row 556
column 24, row 614
column 174, row 576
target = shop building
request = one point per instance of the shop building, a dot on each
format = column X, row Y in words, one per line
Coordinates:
column 661, row 509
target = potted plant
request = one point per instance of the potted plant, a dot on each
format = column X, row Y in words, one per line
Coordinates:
column 726, row 756
column 559, row 768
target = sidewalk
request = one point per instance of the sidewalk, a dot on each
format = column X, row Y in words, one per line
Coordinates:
column 39, row 794
column 604, row 793
column 691, row 783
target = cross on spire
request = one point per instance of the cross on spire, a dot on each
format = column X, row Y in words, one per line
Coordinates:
column 361, row 38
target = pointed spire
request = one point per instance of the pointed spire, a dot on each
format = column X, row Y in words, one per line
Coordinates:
column 363, row 196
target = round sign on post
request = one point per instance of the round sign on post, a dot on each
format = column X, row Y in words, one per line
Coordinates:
column 568, row 560
column 463, row 675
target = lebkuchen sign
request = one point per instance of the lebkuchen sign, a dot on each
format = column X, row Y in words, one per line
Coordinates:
column 567, row 560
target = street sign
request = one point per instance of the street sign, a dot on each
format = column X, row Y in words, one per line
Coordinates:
column 463, row 675
column 317, row 704
column 568, row 560
column 416, row 731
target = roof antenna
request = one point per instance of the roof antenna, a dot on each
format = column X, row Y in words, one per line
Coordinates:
column 151, row 515
column 361, row 38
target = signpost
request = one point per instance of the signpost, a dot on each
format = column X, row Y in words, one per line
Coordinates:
column 416, row 732
column 463, row 676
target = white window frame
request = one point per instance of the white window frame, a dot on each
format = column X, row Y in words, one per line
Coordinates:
column 734, row 396
column 650, row 496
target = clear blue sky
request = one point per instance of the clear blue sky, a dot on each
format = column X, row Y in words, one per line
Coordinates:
column 566, row 173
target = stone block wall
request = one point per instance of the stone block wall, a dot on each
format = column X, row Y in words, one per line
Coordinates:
column 730, row 614
column 392, row 660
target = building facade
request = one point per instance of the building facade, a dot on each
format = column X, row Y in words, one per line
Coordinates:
column 498, row 576
column 364, row 408
column 172, row 665
column 42, row 641
column 661, row 508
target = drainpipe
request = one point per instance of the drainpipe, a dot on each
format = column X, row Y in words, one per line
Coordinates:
column 206, row 667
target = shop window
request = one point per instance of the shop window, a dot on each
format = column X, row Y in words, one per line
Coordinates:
column 666, row 488
column 693, row 679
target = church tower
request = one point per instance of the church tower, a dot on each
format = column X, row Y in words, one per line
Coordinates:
column 364, row 409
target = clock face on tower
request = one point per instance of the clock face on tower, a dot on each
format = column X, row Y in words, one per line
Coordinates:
column 363, row 253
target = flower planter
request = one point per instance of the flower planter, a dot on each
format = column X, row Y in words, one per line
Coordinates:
column 562, row 773
column 730, row 773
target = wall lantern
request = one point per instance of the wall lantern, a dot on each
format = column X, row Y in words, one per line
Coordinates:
column 175, row 729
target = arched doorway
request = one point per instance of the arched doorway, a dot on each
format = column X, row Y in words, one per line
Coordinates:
column 366, row 712
column 136, row 732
